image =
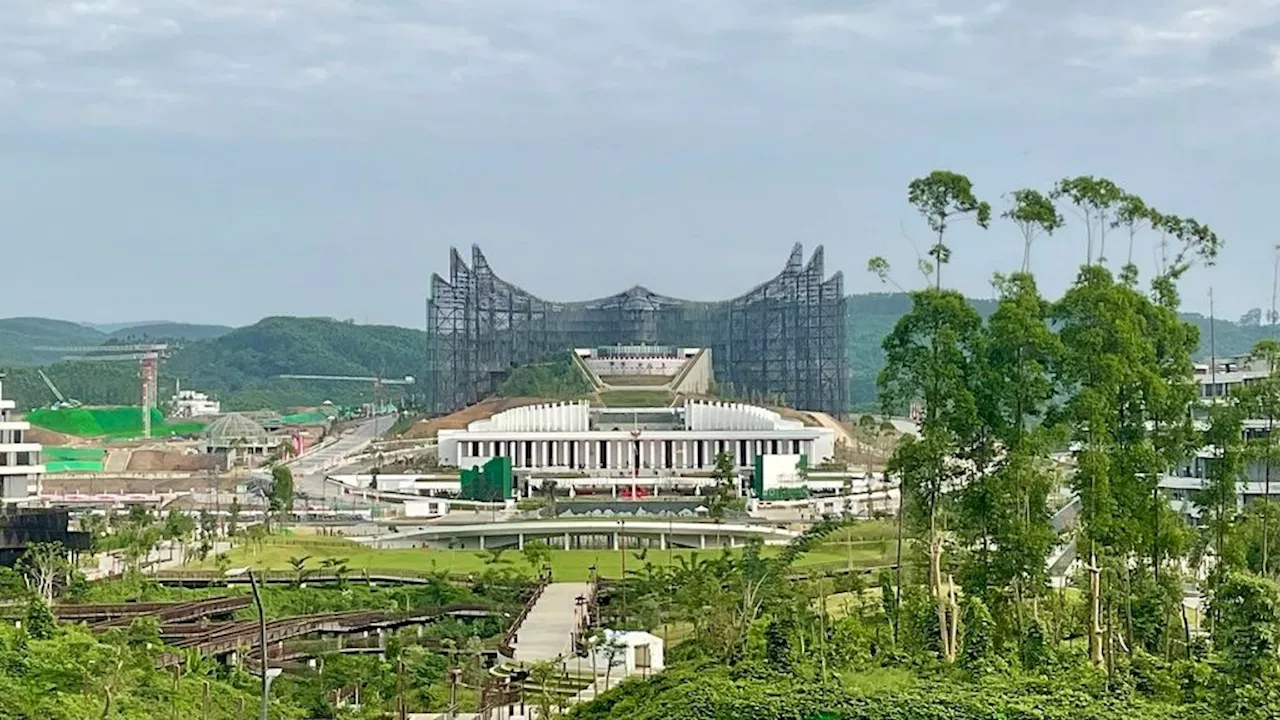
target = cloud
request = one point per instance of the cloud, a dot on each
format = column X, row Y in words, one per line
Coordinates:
column 330, row 65
column 1162, row 48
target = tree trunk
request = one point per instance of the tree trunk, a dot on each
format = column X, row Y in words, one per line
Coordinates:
column 939, row 596
column 955, row 616
column 1095, row 612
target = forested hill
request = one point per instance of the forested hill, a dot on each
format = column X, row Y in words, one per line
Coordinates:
column 240, row 366
column 20, row 336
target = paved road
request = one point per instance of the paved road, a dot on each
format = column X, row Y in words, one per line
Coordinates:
column 309, row 470
column 547, row 631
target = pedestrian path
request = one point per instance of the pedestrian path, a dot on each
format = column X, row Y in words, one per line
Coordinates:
column 547, row 631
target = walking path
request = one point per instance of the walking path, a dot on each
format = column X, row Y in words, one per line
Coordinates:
column 547, row 631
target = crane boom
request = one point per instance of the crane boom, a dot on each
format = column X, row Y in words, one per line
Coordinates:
column 408, row 379
column 52, row 388
column 107, row 349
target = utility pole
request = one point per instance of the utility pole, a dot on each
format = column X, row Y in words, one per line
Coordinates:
column 262, row 643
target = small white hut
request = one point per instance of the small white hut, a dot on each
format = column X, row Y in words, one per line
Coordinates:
column 633, row 653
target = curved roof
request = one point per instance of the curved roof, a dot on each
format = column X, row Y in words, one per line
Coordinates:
column 233, row 427
column 783, row 286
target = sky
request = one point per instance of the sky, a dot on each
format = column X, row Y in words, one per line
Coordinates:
column 217, row 161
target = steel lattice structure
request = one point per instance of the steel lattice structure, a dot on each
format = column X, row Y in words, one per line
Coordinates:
column 785, row 339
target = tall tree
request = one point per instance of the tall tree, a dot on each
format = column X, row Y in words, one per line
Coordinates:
column 1035, row 215
column 1004, row 510
column 280, row 497
column 931, row 355
column 1262, row 400
column 1095, row 201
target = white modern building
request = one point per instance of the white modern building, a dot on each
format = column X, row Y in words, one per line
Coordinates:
column 1217, row 380
column 190, row 403
column 576, row 436
column 20, row 466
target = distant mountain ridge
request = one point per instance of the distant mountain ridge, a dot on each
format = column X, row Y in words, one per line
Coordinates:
column 240, row 366
column 19, row 336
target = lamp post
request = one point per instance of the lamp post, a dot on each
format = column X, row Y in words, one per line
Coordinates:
column 635, row 469
column 268, row 673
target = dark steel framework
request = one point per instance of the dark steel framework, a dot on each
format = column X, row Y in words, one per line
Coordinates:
column 784, row 340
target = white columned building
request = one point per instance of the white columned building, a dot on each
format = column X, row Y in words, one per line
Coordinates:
column 576, row 436
column 20, row 463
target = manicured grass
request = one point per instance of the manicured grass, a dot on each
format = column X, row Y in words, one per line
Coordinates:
column 636, row 398
column 566, row 565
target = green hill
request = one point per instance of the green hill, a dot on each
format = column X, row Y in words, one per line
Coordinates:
column 240, row 367
column 151, row 332
column 19, row 336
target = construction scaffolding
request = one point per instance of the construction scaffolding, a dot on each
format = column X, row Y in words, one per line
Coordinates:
column 783, row 342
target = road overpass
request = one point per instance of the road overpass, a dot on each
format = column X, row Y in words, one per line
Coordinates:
column 596, row 532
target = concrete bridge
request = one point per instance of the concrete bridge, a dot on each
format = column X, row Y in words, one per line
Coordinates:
column 595, row 532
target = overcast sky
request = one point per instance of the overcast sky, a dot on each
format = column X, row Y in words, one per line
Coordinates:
column 221, row 160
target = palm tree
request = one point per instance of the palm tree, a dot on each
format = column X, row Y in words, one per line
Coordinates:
column 300, row 571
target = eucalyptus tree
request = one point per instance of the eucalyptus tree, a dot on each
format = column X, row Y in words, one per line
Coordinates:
column 1003, row 517
column 1126, row 376
column 1035, row 215
column 1096, row 202
column 1262, row 399
column 1224, row 439
column 932, row 355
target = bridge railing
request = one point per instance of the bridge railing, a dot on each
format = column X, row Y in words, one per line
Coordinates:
column 507, row 646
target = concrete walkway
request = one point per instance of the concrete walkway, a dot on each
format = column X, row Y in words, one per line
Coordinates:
column 547, row 631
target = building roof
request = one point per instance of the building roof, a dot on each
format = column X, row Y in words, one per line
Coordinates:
column 234, row 426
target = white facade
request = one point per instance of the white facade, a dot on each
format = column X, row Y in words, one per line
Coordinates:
column 20, row 466
column 1218, row 380
column 575, row 436
column 189, row 403
column 635, row 653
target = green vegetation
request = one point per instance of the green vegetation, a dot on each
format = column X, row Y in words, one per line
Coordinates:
column 239, row 367
column 566, row 565
column 557, row 377
column 967, row 627
column 20, row 336
column 61, row 671
column 635, row 398
column 109, row 422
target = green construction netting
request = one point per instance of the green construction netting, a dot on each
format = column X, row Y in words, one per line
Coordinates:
column 117, row 422
column 311, row 418
column 66, row 466
column 58, row 453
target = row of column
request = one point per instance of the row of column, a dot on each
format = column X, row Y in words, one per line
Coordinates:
column 626, row 454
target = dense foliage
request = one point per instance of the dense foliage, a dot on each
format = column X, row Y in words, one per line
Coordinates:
column 556, row 377
column 969, row 625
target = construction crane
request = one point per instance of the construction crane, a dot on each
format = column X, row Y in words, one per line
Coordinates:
column 62, row 401
column 147, row 356
column 377, row 382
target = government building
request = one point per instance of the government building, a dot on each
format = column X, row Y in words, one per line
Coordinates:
column 574, row 436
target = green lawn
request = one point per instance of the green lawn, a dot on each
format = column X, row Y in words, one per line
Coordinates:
column 568, row 565
column 635, row 398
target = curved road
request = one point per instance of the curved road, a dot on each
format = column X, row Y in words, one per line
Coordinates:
column 310, row 469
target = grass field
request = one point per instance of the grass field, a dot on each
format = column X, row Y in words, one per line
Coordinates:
column 566, row 565
column 636, row 398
